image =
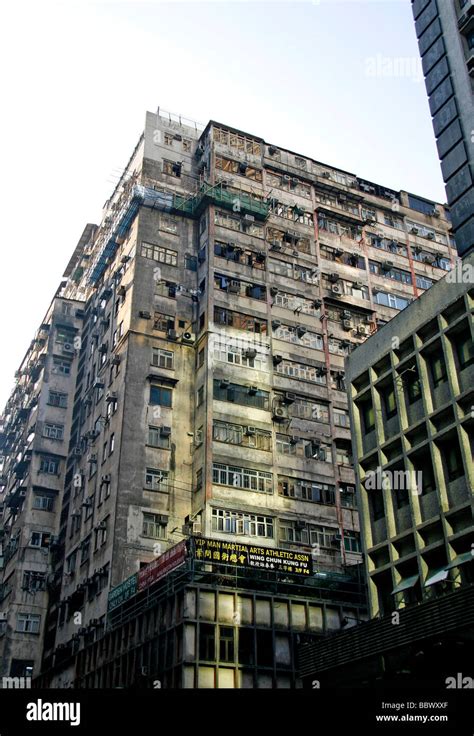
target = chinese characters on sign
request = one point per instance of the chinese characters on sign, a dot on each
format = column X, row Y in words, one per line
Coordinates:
column 246, row 555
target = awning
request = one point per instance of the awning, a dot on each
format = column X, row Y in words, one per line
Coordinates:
column 436, row 577
column 405, row 584
column 461, row 559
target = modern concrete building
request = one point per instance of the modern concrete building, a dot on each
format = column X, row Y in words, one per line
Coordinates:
column 224, row 287
column 445, row 31
column 411, row 405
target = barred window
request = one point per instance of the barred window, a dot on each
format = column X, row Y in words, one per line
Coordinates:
column 311, row 410
column 300, row 370
column 162, row 358
column 299, row 336
column 296, row 304
column 239, row 321
column 153, row 526
column 245, row 355
column 236, row 434
column 243, row 395
column 306, row 490
column 244, row 478
column 156, row 480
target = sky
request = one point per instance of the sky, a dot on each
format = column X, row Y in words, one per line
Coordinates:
column 337, row 80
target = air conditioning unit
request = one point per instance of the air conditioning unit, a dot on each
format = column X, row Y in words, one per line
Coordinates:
column 252, row 390
column 435, row 213
column 336, row 289
column 68, row 348
column 347, row 324
column 115, row 360
column 276, row 324
column 301, row 331
column 122, row 292
column 251, row 431
column 317, row 303
column 272, row 150
column 430, row 236
column 111, row 396
column 3, row 615
column 387, row 265
column 103, row 348
column 234, row 286
column 165, row 431
column 249, row 219
column 362, row 330
column 280, row 412
column 105, row 478
column 273, row 290
column 277, row 359
column 92, row 458
column 77, row 451
column 289, row 398
column 125, row 259
column 172, row 334
column 276, row 245
column 326, row 175
column 98, row 384
column 143, row 314
column 346, row 314
column 414, row 230
column 286, row 178
column 336, row 539
column 224, row 383
column 250, row 353
column 294, row 182
column 188, row 337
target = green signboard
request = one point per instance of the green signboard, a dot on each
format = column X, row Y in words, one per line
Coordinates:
column 123, row 592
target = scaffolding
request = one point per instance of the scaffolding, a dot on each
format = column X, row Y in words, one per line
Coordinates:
column 191, row 206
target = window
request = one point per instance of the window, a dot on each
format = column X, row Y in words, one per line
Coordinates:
column 158, row 438
column 160, row 254
column 343, row 456
column 160, row 396
column 28, row 623
column 464, row 350
column 190, row 262
column 226, row 644
column 412, row 382
column 376, row 504
column 172, row 168
column 56, row 398
column 299, row 336
column 306, row 490
column 85, row 550
column 396, row 274
column 237, row 352
column 163, row 322
column 40, row 539
column 153, row 526
column 100, row 533
column 207, row 642
column 341, row 418
column 168, row 224
column 239, row 321
column 438, row 369
column 243, row 395
column 297, row 304
column 351, row 541
column 201, row 355
column 294, row 533
column 453, row 460
column 53, row 431
column 200, row 396
column 390, row 402
column 423, row 282
column 391, row 300
column 236, row 434
column 43, row 502
column 156, row 480
column 306, row 409
column 299, row 370
column 234, row 522
column 33, row 580
column 49, row 465
column 199, row 480
column 61, row 366
column 111, row 443
column 64, row 336
column 368, row 416
column 243, row 478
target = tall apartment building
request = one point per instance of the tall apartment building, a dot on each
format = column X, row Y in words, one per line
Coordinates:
column 224, row 287
column 411, row 403
column 445, row 31
column 34, row 442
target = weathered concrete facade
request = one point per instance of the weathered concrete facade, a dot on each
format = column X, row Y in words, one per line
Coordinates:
column 34, row 446
column 225, row 285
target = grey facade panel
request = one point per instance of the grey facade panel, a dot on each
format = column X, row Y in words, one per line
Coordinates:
column 433, row 55
column 463, row 208
column 433, row 32
column 458, row 183
column 444, row 117
column 449, row 138
column 465, row 237
column 436, row 75
column 419, row 6
column 454, row 160
column 441, row 95
column 427, row 16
